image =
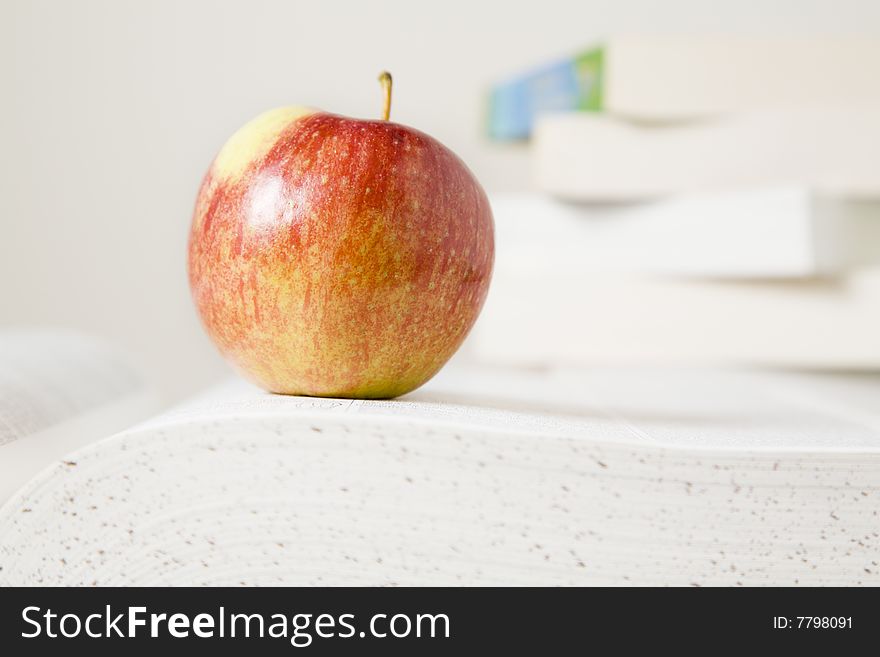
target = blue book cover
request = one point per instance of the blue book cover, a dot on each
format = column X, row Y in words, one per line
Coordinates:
column 571, row 84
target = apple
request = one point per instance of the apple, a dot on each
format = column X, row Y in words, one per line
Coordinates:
column 339, row 257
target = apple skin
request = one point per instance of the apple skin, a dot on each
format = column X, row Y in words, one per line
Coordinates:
column 338, row 257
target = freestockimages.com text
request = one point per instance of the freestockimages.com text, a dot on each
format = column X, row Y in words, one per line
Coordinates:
column 300, row 629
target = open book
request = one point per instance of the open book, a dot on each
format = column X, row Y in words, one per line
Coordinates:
column 484, row 476
column 58, row 392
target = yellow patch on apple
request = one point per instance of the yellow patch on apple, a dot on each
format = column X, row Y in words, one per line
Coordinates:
column 253, row 140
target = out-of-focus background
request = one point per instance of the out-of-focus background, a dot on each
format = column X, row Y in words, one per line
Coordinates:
column 110, row 112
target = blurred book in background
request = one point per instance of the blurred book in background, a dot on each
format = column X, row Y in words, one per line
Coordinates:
column 783, row 232
column 699, row 200
column 592, row 157
column 676, row 77
column 558, row 318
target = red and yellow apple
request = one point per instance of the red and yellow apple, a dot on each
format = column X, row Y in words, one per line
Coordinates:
column 332, row 256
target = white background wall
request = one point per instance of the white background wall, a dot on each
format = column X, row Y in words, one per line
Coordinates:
column 110, row 112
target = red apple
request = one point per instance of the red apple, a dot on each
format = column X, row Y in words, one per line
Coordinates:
column 333, row 256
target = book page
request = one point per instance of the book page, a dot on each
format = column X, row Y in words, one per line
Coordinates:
column 463, row 398
column 730, row 409
column 58, row 392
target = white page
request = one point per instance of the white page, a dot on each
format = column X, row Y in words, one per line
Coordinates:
column 47, row 377
column 701, row 408
column 58, row 392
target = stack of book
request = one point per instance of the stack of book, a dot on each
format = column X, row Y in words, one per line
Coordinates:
column 699, row 199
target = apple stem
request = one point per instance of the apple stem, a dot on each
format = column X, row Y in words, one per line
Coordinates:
column 385, row 81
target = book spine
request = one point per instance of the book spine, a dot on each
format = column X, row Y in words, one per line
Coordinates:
column 572, row 84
